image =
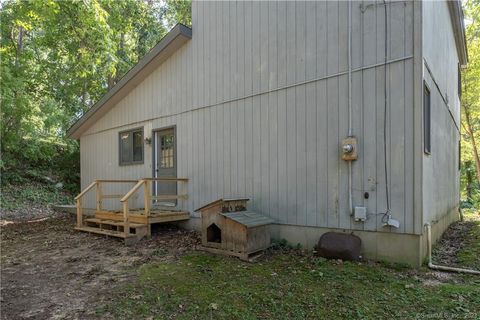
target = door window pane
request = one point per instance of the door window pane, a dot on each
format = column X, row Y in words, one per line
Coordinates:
column 166, row 151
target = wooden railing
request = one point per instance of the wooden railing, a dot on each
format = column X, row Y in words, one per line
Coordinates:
column 148, row 198
column 78, row 203
column 99, row 196
column 145, row 183
column 168, row 196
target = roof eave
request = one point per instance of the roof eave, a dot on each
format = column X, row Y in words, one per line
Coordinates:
column 456, row 16
column 159, row 53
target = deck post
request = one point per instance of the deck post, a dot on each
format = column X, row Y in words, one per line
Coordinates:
column 147, row 197
column 147, row 203
column 99, row 196
column 183, row 193
column 79, row 213
column 126, row 224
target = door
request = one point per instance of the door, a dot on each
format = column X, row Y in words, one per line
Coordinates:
column 165, row 165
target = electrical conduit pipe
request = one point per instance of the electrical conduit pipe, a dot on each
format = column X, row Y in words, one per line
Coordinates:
column 350, row 129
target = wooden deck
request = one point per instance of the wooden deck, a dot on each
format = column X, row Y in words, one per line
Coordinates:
column 137, row 216
column 130, row 224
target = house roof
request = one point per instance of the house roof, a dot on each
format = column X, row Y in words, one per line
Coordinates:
column 249, row 219
column 456, row 16
column 156, row 56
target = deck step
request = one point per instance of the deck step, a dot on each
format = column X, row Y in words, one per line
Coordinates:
column 114, row 223
column 111, row 233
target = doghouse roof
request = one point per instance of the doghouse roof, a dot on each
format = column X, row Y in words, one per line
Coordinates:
column 213, row 203
column 248, row 218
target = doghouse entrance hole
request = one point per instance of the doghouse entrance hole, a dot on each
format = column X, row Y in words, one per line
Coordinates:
column 214, row 233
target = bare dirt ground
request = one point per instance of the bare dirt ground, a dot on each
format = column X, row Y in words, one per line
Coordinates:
column 50, row 271
column 31, row 212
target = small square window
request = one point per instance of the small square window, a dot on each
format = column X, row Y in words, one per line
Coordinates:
column 131, row 147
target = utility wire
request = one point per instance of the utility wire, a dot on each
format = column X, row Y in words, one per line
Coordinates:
column 387, row 213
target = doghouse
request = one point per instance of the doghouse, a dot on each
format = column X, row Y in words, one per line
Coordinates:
column 228, row 228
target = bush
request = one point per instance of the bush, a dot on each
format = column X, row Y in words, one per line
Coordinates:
column 42, row 161
column 470, row 188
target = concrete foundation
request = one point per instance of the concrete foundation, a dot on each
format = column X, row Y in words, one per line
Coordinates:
column 438, row 228
column 379, row 246
column 387, row 246
column 393, row 247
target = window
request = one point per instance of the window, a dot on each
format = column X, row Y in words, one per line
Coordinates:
column 131, row 147
column 459, row 154
column 166, row 151
column 459, row 81
column 427, row 139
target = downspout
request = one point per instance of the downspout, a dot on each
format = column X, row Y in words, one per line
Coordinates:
column 350, row 129
column 442, row 268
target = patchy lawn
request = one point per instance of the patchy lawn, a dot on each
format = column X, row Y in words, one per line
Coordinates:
column 460, row 244
column 291, row 286
column 469, row 254
column 296, row 285
column 50, row 271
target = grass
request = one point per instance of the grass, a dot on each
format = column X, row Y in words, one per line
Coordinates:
column 289, row 286
column 470, row 253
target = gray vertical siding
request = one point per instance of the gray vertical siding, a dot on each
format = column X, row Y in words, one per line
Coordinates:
column 261, row 111
column 441, row 176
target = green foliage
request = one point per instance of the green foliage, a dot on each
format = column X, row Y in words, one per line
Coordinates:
column 281, row 244
column 178, row 12
column 27, row 193
column 60, row 57
column 469, row 185
column 470, row 137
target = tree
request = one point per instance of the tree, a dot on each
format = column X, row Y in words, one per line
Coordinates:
column 178, row 12
column 60, row 57
column 471, row 102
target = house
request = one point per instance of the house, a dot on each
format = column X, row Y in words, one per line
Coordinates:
column 329, row 116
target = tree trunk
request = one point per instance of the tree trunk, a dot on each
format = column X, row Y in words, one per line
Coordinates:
column 121, row 52
column 113, row 79
column 110, row 81
column 469, row 176
column 470, row 132
column 15, row 128
column 19, row 46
